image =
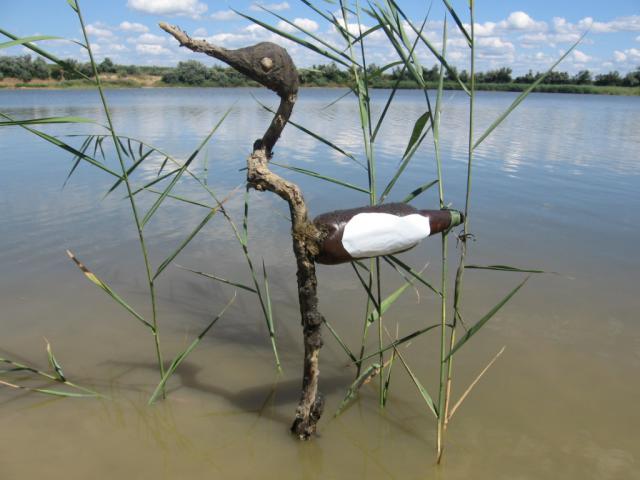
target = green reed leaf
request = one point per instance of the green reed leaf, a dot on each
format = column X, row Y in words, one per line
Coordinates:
column 55, row 366
column 47, row 55
column 505, row 268
column 481, row 323
column 423, row 391
column 185, row 242
column 181, row 170
column 410, row 271
column 185, row 353
column 294, row 39
column 419, row 190
column 60, row 144
column 220, row 279
column 22, row 41
column 130, row 170
column 400, row 341
column 95, row 280
column 456, row 18
column 352, row 392
column 520, row 98
column 48, row 120
column 311, row 173
column 340, row 341
column 312, row 134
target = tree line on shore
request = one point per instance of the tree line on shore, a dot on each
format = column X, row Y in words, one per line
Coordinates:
column 194, row 73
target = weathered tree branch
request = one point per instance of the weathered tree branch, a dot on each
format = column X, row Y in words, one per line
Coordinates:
column 270, row 65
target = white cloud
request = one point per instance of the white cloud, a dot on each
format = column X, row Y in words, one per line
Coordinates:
column 200, row 32
column 99, row 30
column 496, row 44
column 276, row 7
column 631, row 54
column 581, row 57
column 191, row 8
column 117, row 47
column 151, row 49
column 619, row 56
column 133, row 27
column 629, row 23
column 149, row 39
column 522, row 21
column 305, row 23
column 224, row 15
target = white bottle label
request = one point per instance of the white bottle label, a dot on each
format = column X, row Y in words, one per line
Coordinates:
column 374, row 234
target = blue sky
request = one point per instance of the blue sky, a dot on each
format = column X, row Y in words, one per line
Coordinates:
column 519, row 34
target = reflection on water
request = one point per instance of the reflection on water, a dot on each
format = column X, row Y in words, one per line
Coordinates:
column 554, row 188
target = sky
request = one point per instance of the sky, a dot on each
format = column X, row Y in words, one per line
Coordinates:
column 520, row 34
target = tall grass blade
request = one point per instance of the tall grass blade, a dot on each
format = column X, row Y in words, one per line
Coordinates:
column 459, row 23
column 388, row 302
column 311, row 173
column 47, row 391
column 480, row 323
column 220, row 279
column 505, row 268
column 400, row 341
column 473, row 384
column 22, row 41
column 60, row 144
column 352, row 392
column 520, row 98
column 47, row 55
column 49, row 120
column 295, row 39
column 423, row 391
column 95, row 280
column 53, row 362
column 179, row 173
column 307, row 32
column 185, row 353
column 314, row 135
column 421, row 189
column 391, row 259
column 184, row 243
column 340, row 341
column 130, row 170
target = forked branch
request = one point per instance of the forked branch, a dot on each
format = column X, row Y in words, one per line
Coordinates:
column 271, row 66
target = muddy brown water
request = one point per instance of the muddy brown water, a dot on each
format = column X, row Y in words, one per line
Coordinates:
column 555, row 188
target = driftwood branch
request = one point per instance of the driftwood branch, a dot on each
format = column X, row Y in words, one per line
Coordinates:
column 271, row 66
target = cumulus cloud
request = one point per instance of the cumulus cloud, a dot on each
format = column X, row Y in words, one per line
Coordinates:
column 276, row 7
column 619, row 56
column 99, row 30
column 631, row 54
column 224, row 15
column 191, row 8
column 522, row 21
column 581, row 57
column 145, row 49
column 133, row 27
column 304, row 23
column 149, row 39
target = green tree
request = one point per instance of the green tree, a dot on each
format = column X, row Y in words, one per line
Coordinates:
column 107, row 66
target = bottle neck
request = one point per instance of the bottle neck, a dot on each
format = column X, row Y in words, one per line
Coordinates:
column 442, row 220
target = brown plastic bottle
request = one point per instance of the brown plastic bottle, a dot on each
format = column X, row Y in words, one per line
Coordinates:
column 378, row 230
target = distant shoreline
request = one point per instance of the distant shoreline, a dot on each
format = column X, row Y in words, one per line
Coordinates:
column 156, row 82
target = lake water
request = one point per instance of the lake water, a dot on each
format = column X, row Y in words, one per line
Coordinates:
column 555, row 188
